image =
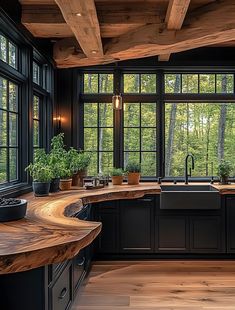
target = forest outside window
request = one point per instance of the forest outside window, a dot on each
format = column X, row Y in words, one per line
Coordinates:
column 9, row 131
column 95, row 83
column 140, row 136
column 139, row 83
column 207, row 130
column 8, row 52
column 98, row 136
column 36, row 122
column 204, row 83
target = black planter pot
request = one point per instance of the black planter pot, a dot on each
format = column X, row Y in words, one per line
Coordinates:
column 13, row 212
column 54, row 185
column 41, row 188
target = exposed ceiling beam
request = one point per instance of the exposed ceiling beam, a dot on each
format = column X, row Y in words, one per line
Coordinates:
column 82, row 18
column 175, row 16
column 201, row 30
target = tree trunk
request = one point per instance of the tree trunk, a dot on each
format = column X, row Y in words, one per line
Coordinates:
column 222, row 122
column 170, row 141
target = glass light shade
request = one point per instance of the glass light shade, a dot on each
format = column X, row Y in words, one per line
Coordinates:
column 117, row 102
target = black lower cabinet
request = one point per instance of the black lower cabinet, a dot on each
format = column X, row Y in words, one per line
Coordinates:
column 136, row 226
column 230, row 208
column 108, row 214
column 206, row 234
column 172, row 234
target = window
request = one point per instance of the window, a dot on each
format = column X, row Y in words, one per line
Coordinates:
column 199, row 83
column 98, row 83
column 139, row 83
column 37, row 78
column 36, row 122
column 140, row 136
column 98, row 136
column 207, row 130
column 194, row 114
column 8, row 131
column 8, row 52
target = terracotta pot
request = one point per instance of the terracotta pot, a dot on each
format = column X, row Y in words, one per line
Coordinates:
column 79, row 177
column 65, row 184
column 133, row 178
column 117, row 180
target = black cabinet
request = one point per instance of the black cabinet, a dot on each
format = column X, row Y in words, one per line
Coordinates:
column 230, row 208
column 206, row 234
column 137, row 225
column 108, row 214
column 172, row 233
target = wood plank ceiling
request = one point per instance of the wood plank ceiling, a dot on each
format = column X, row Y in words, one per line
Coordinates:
column 91, row 32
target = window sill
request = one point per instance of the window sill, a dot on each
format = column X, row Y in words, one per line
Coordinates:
column 15, row 190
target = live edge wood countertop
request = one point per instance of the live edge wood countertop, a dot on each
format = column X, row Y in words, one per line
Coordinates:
column 49, row 234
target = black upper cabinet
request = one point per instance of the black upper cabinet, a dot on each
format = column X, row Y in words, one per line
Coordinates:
column 137, row 225
column 230, row 208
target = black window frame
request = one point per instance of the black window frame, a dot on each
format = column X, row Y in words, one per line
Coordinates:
column 160, row 97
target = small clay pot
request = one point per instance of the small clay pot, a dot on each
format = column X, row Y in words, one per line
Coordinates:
column 117, row 179
column 65, row 184
column 133, row 178
column 78, row 178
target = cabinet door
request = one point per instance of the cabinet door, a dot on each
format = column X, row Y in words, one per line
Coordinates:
column 230, row 207
column 107, row 241
column 172, row 234
column 137, row 225
column 206, row 234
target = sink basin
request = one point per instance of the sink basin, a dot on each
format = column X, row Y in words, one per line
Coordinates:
column 191, row 197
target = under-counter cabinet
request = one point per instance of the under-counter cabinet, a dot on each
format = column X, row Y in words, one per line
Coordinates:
column 108, row 214
column 136, row 228
column 230, row 209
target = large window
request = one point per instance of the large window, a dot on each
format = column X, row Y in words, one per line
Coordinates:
column 164, row 117
column 98, row 136
column 8, row 131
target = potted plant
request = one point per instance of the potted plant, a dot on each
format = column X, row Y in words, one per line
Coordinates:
column 41, row 173
column 117, row 176
column 224, row 170
column 133, row 173
column 79, row 161
column 65, row 172
column 12, row 209
column 55, row 156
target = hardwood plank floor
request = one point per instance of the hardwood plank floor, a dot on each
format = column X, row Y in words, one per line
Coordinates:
column 159, row 285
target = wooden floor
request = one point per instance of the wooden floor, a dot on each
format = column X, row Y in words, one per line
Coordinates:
column 159, row 285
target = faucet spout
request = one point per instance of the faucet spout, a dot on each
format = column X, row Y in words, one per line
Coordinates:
column 187, row 175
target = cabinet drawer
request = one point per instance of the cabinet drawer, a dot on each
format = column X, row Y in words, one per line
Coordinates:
column 61, row 291
column 78, row 269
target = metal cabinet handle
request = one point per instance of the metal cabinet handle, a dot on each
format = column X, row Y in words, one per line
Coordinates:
column 145, row 199
column 63, row 293
column 82, row 262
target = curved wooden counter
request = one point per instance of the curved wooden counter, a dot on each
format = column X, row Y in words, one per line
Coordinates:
column 48, row 234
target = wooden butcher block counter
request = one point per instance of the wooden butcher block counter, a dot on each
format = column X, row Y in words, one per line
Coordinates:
column 50, row 234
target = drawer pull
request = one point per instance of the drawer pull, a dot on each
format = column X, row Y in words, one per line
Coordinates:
column 63, row 293
column 81, row 262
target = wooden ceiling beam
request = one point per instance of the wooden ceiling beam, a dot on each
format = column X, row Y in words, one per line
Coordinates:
column 82, row 18
column 201, row 30
column 175, row 16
